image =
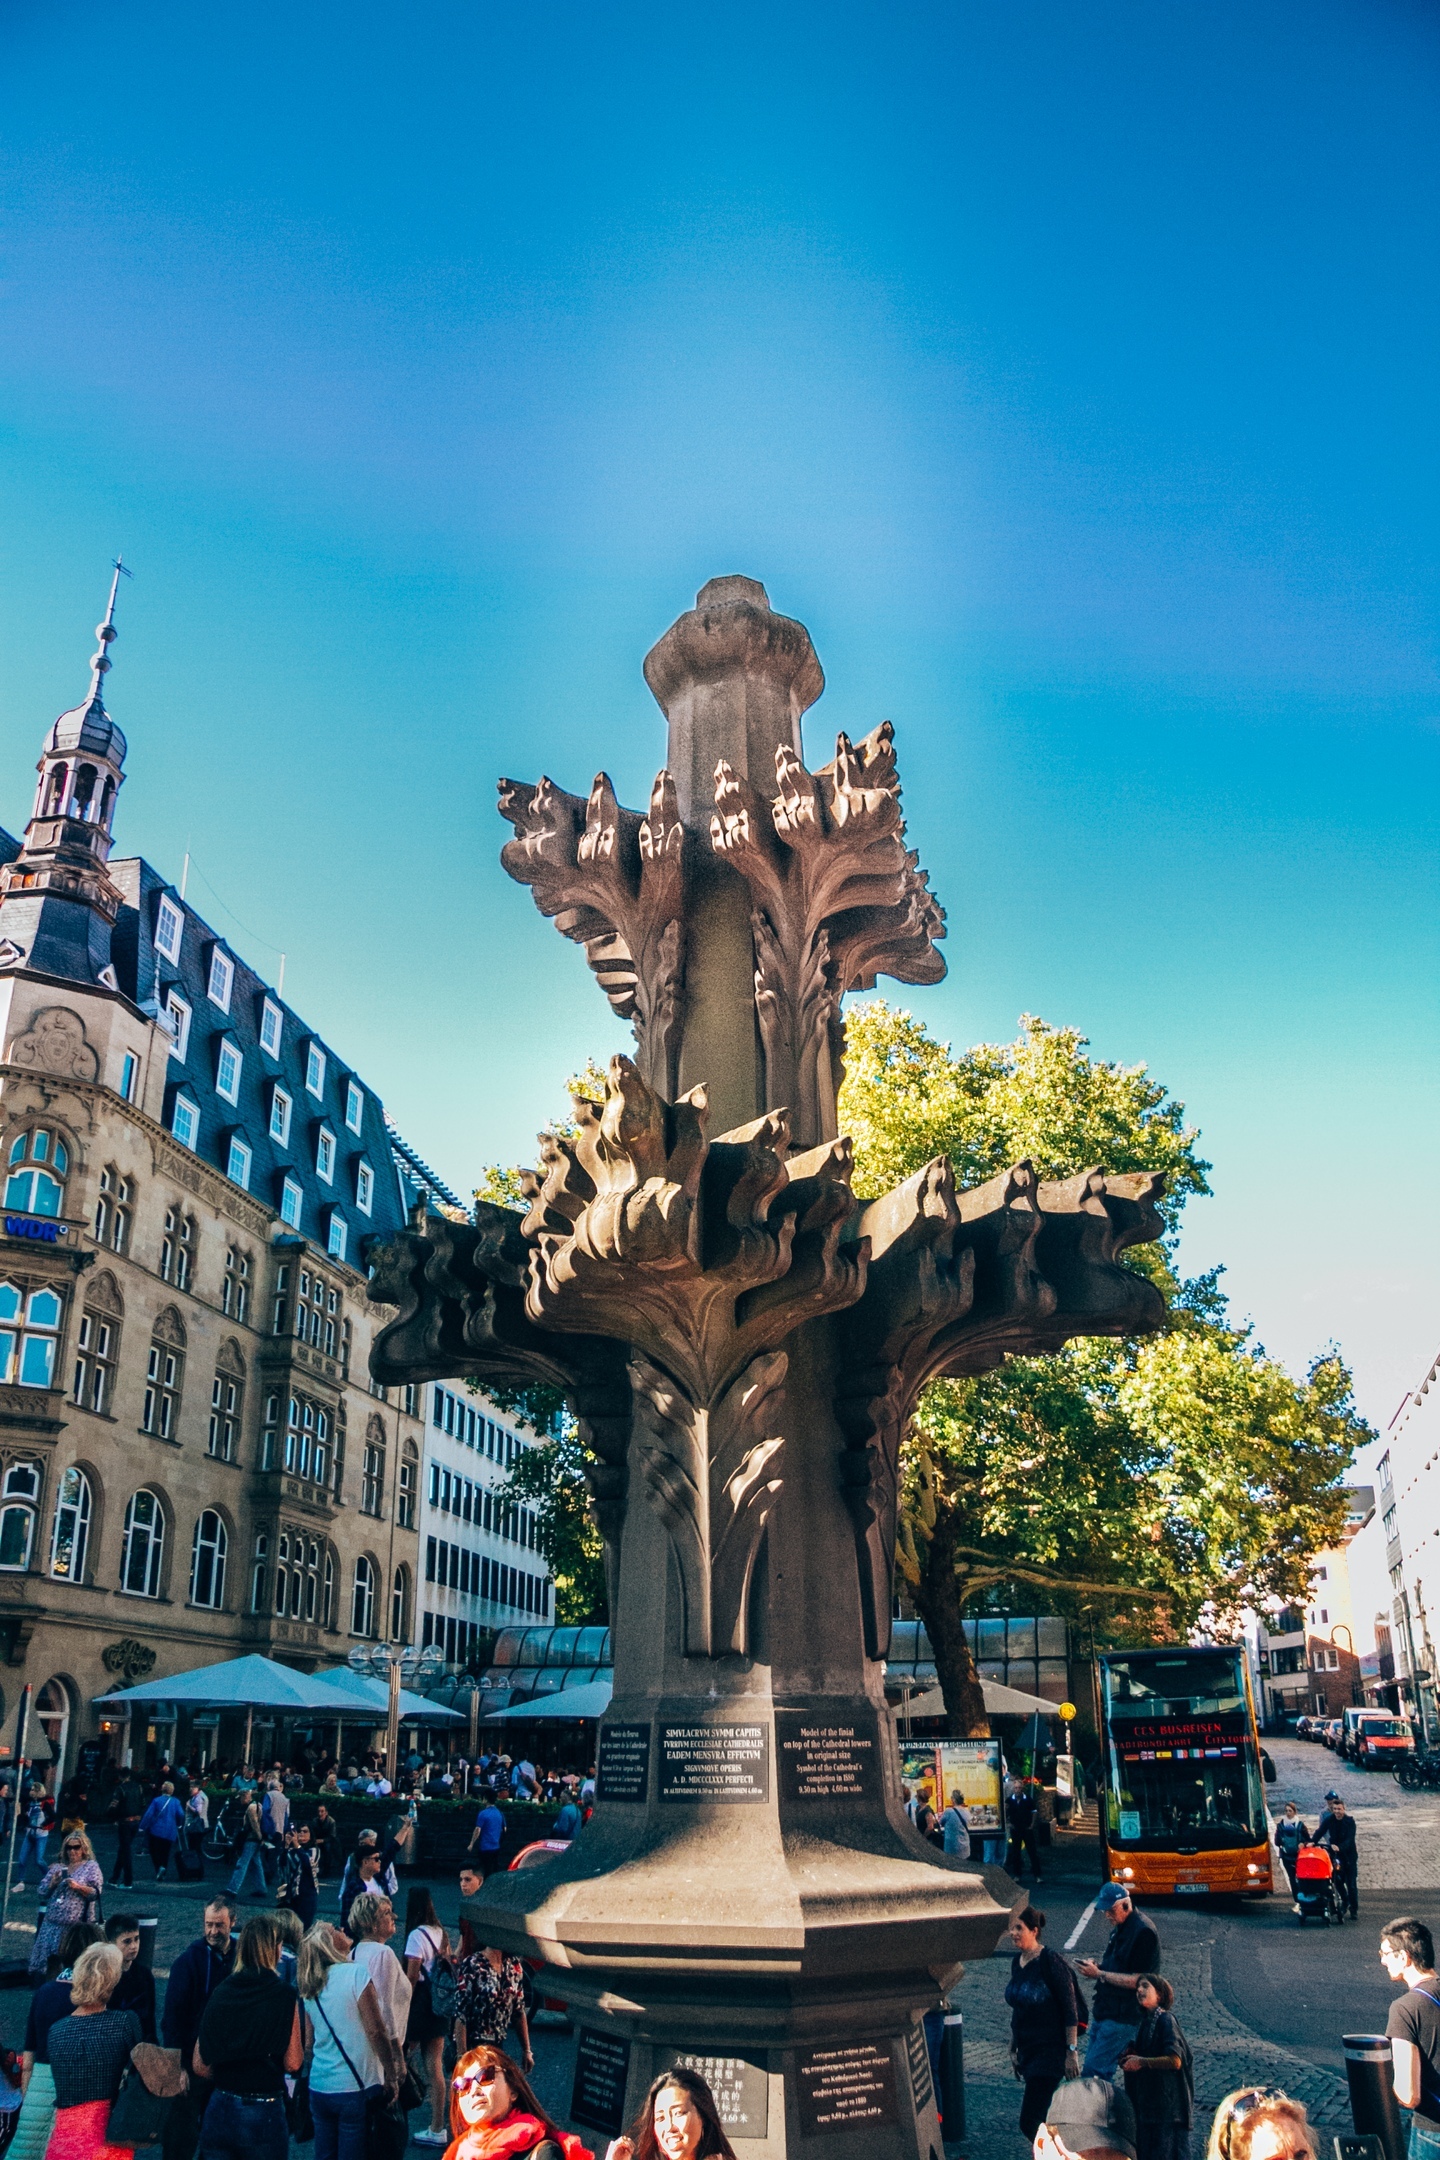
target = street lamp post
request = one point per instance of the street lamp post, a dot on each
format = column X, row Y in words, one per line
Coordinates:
column 397, row 1664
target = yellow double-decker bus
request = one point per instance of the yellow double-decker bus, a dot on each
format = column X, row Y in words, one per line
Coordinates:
column 1184, row 1809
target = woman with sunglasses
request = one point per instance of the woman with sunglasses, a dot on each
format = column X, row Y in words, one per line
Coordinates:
column 72, row 1887
column 1260, row 2122
column 679, row 2121
column 494, row 2114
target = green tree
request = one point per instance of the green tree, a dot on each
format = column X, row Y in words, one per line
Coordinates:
column 1179, row 1475
column 550, row 1478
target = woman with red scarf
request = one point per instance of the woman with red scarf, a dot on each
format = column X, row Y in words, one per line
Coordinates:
column 494, row 2115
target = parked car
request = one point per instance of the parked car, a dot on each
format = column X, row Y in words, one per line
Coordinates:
column 1333, row 1728
column 1375, row 1739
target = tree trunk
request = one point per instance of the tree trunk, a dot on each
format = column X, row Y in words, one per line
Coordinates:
column 940, row 1602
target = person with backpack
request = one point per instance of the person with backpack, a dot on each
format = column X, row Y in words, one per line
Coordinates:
column 1022, row 1814
column 1159, row 2075
column 1044, row 2018
column 431, row 1975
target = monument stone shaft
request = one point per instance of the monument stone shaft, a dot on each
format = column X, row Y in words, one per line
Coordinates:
column 743, row 1342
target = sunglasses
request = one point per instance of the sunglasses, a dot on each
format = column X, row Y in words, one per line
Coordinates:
column 485, row 2076
column 1243, row 2105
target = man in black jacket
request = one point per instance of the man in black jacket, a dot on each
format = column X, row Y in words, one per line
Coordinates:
column 135, row 1989
column 194, row 1977
column 1133, row 1949
column 1337, row 1834
column 129, row 1805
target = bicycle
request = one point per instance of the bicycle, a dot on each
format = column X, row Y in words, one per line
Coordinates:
column 224, row 1828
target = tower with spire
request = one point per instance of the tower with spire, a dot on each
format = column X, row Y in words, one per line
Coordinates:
column 58, row 901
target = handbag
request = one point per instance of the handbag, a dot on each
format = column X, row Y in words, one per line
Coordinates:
column 153, row 2080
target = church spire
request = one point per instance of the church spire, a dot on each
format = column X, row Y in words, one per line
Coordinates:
column 106, row 633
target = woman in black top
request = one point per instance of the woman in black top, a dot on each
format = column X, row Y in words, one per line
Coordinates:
column 1155, row 2079
column 1044, row 2018
column 249, row 2037
column 88, row 2054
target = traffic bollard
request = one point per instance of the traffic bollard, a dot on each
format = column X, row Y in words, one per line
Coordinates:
column 952, row 2080
column 1370, row 2071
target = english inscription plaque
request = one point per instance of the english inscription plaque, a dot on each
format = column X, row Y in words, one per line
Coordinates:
column 714, row 1762
column 602, row 2065
column 741, row 2085
column 921, row 2082
column 623, row 1769
column 844, row 2088
column 820, row 1761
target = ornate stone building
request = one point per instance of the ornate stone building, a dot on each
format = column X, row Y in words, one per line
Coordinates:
column 193, row 1461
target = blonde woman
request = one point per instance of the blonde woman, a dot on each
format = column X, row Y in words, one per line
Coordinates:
column 73, row 1887
column 88, row 2054
column 1260, row 2122
column 354, row 2060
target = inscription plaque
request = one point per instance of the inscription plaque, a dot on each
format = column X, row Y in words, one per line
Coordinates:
column 921, row 2082
column 841, row 2088
column 741, row 2086
column 819, row 1761
column 602, row 2065
column 714, row 1762
column 623, row 1768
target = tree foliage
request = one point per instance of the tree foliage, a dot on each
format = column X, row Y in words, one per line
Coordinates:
column 550, row 1478
column 1174, row 1478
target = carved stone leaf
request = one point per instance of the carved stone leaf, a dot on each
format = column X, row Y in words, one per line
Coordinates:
column 713, row 1476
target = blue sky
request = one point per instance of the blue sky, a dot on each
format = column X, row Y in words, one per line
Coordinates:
column 1070, row 372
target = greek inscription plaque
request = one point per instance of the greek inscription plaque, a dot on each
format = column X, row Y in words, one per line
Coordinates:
column 921, row 2082
column 602, row 2065
column 623, row 1770
column 741, row 2085
column 820, row 1761
column 714, row 1762
column 841, row 2088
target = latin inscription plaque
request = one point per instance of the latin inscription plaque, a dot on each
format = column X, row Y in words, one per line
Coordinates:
column 921, row 2082
column 602, row 2065
column 820, row 1761
column 714, row 1762
column 843, row 2088
column 623, row 1769
column 741, row 2085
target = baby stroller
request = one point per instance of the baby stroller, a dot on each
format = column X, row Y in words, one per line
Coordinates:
column 1317, row 1893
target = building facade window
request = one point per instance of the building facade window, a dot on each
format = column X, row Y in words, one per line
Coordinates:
column 29, row 1335
column 237, row 1164
column 362, row 1602
column 130, row 1077
column 176, row 1016
column 112, row 1210
column 280, row 1310
column 177, row 1249
column 314, row 1069
column 144, row 1547
column 207, row 1561
column 280, row 1108
column 228, row 1067
column 400, row 1606
column 70, row 1538
column 259, row 1571
column 19, row 1497
column 164, row 1378
column 169, row 923
column 291, row 1199
column 185, row 1120
column 235, row 1290
column 221, row 979
column 354, row 1106
column 39, row 1161
column 97, row 1347
column 336, row 1238
column 272, row 1022
column 372, row 1469
column 364, row 1187
column 408, row 1491
column 227, row 1402
column 325, row 1155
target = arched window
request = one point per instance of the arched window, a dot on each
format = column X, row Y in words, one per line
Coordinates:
column 97, row 1343
column 260, row 1554
column 406, row 1497
column 177, row 1249
column 164, row 1376
column 70, row 1539
column 362, row 1604
column 112, row 1210
column 227, row 1401
column 400, row 1606
column 235, row 1291
column 52, row 1712
column 29, row 1332
column 372, row 1468
column 36, row 1181
column 327, row 1590
column 207, row 1560
column 18, row 1499
column 144, row 1547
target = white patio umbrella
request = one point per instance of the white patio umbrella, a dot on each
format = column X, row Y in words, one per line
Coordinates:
column 245, row 1683
column 590, row 1701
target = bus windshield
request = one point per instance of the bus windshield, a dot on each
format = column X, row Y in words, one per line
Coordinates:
column 1183, row 1767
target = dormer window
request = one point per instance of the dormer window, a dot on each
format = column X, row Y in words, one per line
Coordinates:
column 337, row 1235
column 280, row 1116
column 237, row 1163
column 325, row 1155
column 354, row 1106
column 291, row 1197
column 364, row 1187
column 185, row 1121
column 169, row 923
column 272, row 1022
column 176, row 1017
column 314, row 1069
column 227, row 1070
column 222, row 979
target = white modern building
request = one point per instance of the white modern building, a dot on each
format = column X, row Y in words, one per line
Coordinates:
column 480, row 1564
column 1408, row 1504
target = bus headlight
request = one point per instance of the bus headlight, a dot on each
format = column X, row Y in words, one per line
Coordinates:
column 1251, row 1869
